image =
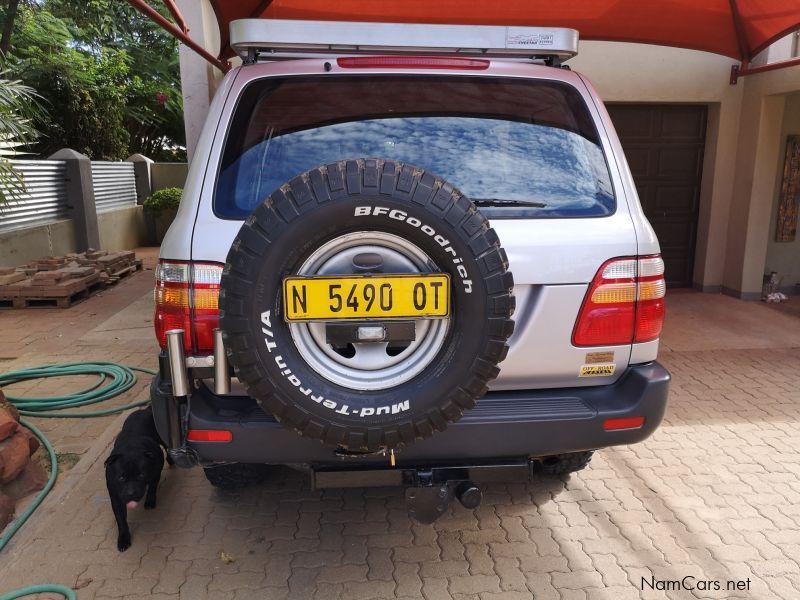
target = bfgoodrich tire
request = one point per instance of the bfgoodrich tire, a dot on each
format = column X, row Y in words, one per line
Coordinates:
column 414, row 222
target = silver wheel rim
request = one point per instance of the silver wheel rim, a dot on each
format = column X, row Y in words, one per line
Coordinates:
column 371, row 367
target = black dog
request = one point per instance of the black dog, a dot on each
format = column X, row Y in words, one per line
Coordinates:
column 134, row 466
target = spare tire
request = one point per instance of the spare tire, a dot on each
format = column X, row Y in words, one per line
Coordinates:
column 379, row 217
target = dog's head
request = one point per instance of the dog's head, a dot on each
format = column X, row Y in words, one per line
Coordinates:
column 129, row 473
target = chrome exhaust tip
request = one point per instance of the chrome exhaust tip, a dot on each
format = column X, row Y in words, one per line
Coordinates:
column 222, row 378
column 180, row 390
column 177, row 363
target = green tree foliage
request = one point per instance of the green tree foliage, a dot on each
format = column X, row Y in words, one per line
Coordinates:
column 19, row 106
column 102, row 69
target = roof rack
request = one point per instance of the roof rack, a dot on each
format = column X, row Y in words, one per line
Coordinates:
column 282, row 38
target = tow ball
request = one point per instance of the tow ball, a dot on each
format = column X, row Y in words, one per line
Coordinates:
column 427, row 501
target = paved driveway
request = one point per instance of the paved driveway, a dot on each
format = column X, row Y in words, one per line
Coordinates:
column 713, row 496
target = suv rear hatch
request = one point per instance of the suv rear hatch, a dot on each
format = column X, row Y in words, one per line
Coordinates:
column 527, row 150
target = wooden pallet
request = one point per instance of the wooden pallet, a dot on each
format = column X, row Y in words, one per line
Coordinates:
column 61, row 282
column 61, row 295
column 114, row 278
column 51, row 301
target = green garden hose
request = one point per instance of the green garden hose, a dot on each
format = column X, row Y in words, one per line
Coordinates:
column 41, row 589
column 113, row 380
column 122, row 379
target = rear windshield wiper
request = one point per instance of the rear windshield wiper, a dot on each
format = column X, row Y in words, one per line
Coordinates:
column 505, row 202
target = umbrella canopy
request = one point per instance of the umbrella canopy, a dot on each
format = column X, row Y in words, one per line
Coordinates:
column 736, row 28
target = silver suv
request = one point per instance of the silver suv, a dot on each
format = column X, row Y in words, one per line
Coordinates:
column 407, row 255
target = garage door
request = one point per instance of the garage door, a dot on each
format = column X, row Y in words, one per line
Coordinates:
column 664, row 145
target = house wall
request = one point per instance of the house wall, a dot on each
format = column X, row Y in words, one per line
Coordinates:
column 784, row 257
column 744, row 140
column 641, row 73
column 755, row 177
column 199, row 79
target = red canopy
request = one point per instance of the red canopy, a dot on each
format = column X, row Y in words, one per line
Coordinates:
column 736, row 28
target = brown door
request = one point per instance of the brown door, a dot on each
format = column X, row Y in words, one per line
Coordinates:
column 664, row 146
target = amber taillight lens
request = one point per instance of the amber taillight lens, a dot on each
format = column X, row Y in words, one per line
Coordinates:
column 624, row 303
column 186, row 297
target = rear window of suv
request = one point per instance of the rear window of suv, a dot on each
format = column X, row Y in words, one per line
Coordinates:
column 525, row 147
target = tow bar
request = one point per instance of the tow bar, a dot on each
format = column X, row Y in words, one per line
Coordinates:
column 429, row 490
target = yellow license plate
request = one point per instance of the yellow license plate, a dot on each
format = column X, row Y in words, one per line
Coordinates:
column 327, row 298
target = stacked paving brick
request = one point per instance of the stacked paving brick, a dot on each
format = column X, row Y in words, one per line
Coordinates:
column 19, row 475
column 63, row 280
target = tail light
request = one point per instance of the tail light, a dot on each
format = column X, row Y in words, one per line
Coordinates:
column 624, row 304
column 186, row 297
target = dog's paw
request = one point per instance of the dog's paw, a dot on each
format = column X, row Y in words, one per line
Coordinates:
column 150, row 504
column 123, row 542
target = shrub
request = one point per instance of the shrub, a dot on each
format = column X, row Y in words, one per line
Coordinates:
column 166, row 199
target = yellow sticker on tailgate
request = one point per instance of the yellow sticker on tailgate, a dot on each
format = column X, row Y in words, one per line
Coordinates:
column 597, row 370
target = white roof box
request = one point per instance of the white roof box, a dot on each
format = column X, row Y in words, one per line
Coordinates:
column 286, row 38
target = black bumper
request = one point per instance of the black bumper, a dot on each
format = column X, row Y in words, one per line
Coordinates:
column 504, row 424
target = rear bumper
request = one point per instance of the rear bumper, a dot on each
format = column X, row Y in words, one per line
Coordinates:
column 504, row 424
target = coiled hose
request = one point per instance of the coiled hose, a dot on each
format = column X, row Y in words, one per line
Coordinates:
column 41, row 589
column 113, row 379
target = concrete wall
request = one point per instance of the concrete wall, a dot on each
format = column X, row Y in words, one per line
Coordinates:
column 166, row 175
column 121, row 229
column 24, row 245
column 784, row 257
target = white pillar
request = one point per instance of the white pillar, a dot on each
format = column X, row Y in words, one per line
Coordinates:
column 199, row 78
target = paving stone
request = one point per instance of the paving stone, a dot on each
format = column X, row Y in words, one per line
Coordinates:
column 511, row 577
column 480, row 563
column 418, row 554
column 303, row 582
column 474, row 584
column 450, row 568
column 435, row 588
column 343, row 573
column 136, row 586
column 506, row 595
column 577, row 580
column 408, row 580
column 365, row 590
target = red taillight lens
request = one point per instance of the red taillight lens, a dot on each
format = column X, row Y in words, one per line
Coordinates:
column 624, row 304
column 172, row 302
column 205, row 310
column 186, row 297
column 209, row 435
column 412, row 62
column 623, row 423
column 650, row 308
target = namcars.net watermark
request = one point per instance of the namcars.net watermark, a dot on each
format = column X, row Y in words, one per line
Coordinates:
column 690, row 583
